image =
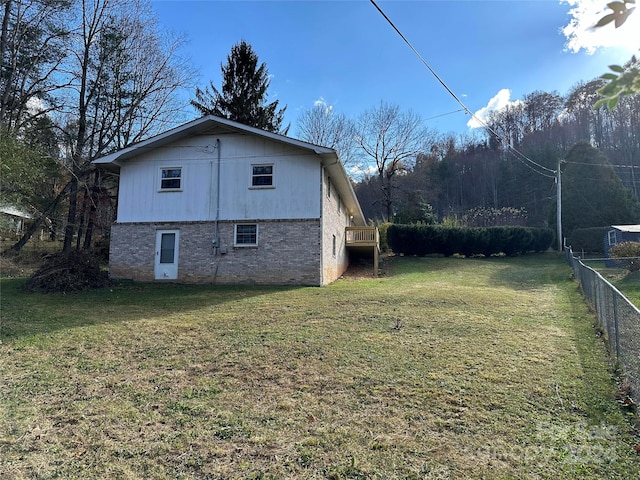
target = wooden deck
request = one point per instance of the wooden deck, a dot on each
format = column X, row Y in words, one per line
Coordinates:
column 364, row 239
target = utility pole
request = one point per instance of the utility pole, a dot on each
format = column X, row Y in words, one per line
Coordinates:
column 559, row 206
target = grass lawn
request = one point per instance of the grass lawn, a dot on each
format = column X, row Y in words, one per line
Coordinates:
column 629, row 285
column 627, row 282
column 441, row 368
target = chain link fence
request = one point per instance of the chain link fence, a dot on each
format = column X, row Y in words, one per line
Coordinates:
column 618, row 317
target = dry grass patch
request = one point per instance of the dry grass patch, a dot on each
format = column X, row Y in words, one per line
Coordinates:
column 443, row 368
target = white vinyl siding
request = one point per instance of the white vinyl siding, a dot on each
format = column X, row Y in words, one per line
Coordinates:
column 298, row 176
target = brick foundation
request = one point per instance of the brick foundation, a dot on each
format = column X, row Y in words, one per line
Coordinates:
column 288, row 253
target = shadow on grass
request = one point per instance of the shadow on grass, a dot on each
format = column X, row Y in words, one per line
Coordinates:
column 531, row 271
column 26, row 314
column 396, row 265
column 521, row 272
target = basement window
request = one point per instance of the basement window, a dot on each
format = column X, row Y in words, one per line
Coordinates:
column 246, row 235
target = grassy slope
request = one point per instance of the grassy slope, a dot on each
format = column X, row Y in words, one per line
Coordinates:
column 629, row 285
column 495, row 372
column 627, row 282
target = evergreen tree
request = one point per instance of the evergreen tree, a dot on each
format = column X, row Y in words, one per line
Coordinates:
column 592, row 193
column 244, row 92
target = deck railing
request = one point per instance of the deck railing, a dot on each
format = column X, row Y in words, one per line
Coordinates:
column 363, row 236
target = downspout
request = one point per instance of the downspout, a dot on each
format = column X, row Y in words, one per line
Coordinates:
column 322, row 177
column 218, row 188
column 216, row 233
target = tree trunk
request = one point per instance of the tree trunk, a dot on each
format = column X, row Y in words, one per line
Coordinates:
column 3, row 46
column 71, row 217
column 93, row 207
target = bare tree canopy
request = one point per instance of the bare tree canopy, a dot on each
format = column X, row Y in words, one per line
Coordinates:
column 33, row 49
column 100, row 71
column 320, row 125
column 390, row 140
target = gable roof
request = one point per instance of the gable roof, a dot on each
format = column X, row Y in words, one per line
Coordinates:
column 211, row 123
column 627, row 228
column 14, row 211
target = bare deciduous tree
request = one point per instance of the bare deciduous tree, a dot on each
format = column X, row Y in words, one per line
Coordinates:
column 33, row 43
column 390, row 140
column 123, row 79
column 320, row 125
column 117, row 85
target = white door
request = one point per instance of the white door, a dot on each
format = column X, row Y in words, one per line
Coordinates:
column 166, row 266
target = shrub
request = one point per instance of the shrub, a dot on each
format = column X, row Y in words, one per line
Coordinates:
column 494, row 217
column 627, row 254
column 382, row 229
column 589, row 240
column 422, row 240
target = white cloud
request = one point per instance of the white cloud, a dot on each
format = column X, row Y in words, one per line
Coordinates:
column 35, row 105
column 360, row 171
column 321, row 102
column 500, row 100
column 581, row 34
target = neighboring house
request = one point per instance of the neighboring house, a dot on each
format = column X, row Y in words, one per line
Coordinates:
column 617, row 234
column 217, row 201
column 12, row 220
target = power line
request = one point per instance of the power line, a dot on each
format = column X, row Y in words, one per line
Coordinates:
column 445, row 114
column 519, row 155
column 603, row 164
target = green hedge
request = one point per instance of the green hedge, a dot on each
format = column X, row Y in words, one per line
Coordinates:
column 589, row 240
column 423, row 240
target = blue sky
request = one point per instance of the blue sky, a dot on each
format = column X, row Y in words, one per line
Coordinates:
column 344, row 53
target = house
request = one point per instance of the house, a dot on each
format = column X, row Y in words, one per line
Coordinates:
column 617, row 234
column 12, row 220
column 215, row 201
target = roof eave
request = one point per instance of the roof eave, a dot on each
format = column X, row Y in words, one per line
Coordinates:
column 193, row 128
column 341, row 181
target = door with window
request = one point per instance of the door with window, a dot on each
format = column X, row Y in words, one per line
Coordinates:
column 166, row 265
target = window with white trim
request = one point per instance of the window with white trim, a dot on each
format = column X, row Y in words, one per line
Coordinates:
column 612, row 237
column 246, row 235
column 262, row 176
column 170, row 179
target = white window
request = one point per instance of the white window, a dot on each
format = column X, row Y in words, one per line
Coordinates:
column 334, row 246
column 170, row 178
column 262, row 176
column 612, row 237
column 246, row 235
